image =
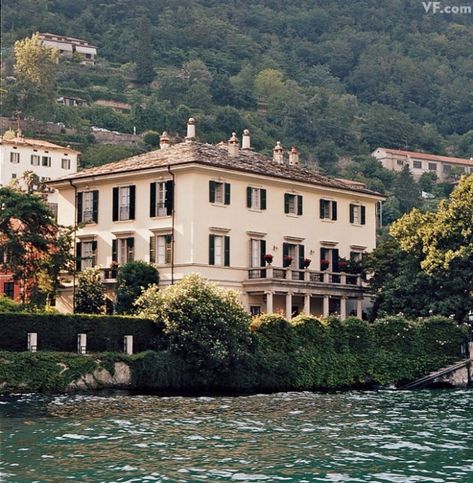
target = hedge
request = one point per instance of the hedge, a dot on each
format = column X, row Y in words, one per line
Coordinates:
column 58, row 332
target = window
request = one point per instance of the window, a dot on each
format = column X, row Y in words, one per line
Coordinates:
column 329, row 259
column 45, row 179
column 86, row 254
column 65, row 163
column 124, row 203
column 87, row 206
column 357, row 214
column 255, row 198
column 292, row 204
column 255, row 310
column 219, row 250
column 9, row 289
column 356, row 256
column 13, row 176
column 123, row 250
column 257, row 253
column 14, row 157
column 400, row 162
column 417, row 164
column 328, row 210
column 35, row 159
column 46, row 161
column 161, row 198
column 432, row 166
column 447, row 168
column 219, row 192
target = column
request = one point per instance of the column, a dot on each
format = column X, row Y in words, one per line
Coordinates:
column 307, row 304
column 359, row 308
column 269, row 302
column 289, row 305
column 326, row 305
column 343, row 308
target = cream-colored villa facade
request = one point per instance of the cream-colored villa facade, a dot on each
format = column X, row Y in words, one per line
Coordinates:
column 221, row 211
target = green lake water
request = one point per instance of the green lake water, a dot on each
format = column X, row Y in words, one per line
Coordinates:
column 411, row 436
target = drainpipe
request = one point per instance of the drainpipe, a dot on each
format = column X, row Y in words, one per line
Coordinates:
column 74, row 248
column 172, row 223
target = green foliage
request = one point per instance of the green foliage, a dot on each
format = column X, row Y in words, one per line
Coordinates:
column 9, row 305
column 90, row 293
column 144, row 50
column 132, row 279
column 204, row 324
column 152, row 138
column 58, row 332
column 97, row 155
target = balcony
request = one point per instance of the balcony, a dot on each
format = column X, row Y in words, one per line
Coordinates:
column 304, row 277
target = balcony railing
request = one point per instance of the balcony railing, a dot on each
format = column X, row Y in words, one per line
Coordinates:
column 312, row 276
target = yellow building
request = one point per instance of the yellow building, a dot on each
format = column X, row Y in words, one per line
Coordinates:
column 223, row 212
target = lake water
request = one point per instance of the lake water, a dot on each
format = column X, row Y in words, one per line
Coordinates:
column 419, row 436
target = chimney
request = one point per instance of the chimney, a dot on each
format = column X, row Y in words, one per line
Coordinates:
column 294, row 157
column 278, row 153
column 164, row 140
column 245, row 141
column 190, row 130
column 233, row 145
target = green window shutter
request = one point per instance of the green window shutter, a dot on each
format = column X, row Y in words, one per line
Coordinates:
column 263, row 252
column 115, row 205
column 227, row 193
column 321, row 208
column 248, row 197
column 323, row 255
column 132, row 202
column 227, row 251
column 212, row 191
column 334, row 210
column 115, row 250
column 301, row 256
column 211, row 249
column 130, row 248
column 94, row 252
column 79, row 257
column 335, row 258
column 79, row 207
column 169, row 200
column 263, row 199
column 286, row 202
column 299, row 205
column 363, row 215
column 152, row 199
column 95, row 206
column 285, row 250
column 352, row 213
column 152, row 249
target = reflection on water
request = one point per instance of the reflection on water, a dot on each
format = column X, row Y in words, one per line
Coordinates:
column 300, row 437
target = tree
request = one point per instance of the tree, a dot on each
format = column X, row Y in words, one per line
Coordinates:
column 206, row 325
column 34, row 245
column 132, row 279
column 144, row 53
column 90, row 294
column 35, row 68
column 407, row 191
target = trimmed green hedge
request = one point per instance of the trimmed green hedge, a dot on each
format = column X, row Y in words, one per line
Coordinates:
column 58, row 332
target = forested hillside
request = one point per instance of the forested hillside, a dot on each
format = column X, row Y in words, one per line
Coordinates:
column 335, row 78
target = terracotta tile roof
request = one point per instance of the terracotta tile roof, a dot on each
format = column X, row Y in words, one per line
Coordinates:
column 216, row 156
column 37, row 143
column 427, row 156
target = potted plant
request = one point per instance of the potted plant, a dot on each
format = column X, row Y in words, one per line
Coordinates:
column 307, row 262
column 342, row 265
column 324, row 264
column 268, row 258
column 286, row 260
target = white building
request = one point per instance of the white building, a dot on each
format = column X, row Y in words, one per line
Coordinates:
column 446, row 168
column 67, row 46
column 46, row 160
column 225, row 212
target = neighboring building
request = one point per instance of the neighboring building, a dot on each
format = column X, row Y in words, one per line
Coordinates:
column 445, row 167
column 67, row 46
column 71, row 101
column 218, row 210
column 46, row 160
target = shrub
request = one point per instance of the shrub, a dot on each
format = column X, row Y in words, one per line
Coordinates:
column 204, row 324
column 58, row 332
column 152, row 138
column 132, row 279
column 8, row 305
column 90, row 295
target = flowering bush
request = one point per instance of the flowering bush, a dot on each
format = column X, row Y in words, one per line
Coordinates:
column 268, row 258
column 342, row 264
column 287, row 260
